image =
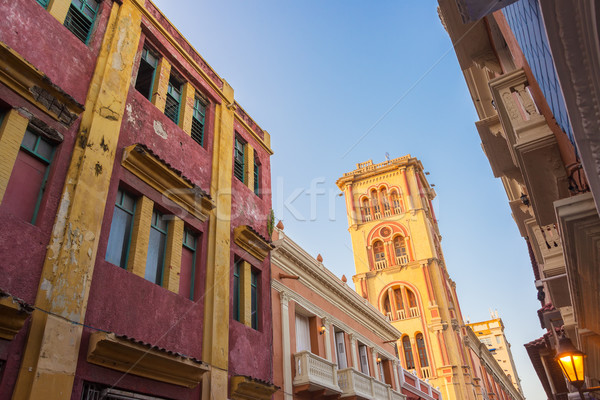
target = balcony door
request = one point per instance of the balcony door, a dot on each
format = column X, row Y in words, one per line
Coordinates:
column 340, row 350
column 302, row 333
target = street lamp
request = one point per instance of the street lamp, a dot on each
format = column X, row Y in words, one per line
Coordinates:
column 571, row 362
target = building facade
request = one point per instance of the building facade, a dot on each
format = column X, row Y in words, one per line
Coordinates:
column 491, row 334
column 531, row 69
column 400, row 269
column 135, row 212
column 328, row 342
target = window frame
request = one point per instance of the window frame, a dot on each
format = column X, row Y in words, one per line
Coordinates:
column 257, row 168
column 254, row 297
column 171, row 92
column 147, row 49
column 81, row 13
column 186, row 233
column 422, row 350
column 161, row 264
column 235, row 309
column 47, row 161
column 239, row 150
column 199, row 116
column 408, row 352
column 119, row 205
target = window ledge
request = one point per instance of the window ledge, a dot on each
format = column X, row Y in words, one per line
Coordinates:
column 251, row 241
column 13, row 314
column 139, row 160
column 32, row 84
column 247, row 388
column 138, row 358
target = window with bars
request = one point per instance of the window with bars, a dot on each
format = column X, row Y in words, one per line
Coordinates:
column 155, row 258
column 121, row 226
column 198, row 121
column 256, row 175
column 238, row 159
column 80, row 18
column 144, row 82
column 254, row 299
column 27, row 183
column 173, row 100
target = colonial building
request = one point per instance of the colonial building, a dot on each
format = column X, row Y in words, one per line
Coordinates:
column 531, row 68
column 491, row 334
column 328, row 342
column 400, row 269
column 135, row 216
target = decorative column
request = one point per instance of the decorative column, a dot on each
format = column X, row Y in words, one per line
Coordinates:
column 326, row 324
column 396, row 381
column 375, row 365
column 353, row 351
column 285, row 344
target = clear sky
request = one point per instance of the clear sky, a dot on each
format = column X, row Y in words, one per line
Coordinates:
column 338, row 82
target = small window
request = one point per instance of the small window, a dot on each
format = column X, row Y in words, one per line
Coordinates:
column 256, row 175
column 412, row 300
column 119, row 238
column 43, row 3
column 238, row 159
column 155, row 257
column 236, row 291
column 80, row 18
column 29, row 176
column 144, row 82
column 254, row 299
column 187, row 277
column 408, row 356
column 173, row 98
column 198, row 121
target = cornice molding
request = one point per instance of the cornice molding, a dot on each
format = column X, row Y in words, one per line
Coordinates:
column 249, row 240
column 246, row 388
column 34, row 86
column 157, row 174
column 13, row 314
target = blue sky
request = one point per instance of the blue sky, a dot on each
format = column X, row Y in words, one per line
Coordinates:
column 339, row 82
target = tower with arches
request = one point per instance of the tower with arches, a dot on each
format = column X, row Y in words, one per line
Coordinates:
column 400, row 269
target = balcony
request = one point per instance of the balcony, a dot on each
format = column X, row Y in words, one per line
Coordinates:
column 314, row 373
column 402, row 260
column 495, row 147
column 360, row 386
column 414, row 312
column 379, row 265
column 401, row 314
column 531, row 143
column 425, row 372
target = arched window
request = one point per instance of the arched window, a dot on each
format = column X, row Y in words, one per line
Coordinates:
column 400, row 251
column 366, row 209
column 413, row 310
column 408, row 356
column 421, row 350
column 396, row 202
column 387, row 306
column 375, row 204
column 400, row 312
column 379, row 254
column 386, row 203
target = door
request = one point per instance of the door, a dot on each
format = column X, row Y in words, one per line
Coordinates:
column 302, row 333
column 340, row 348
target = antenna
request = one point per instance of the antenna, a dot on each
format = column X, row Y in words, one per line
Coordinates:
column 387, row 156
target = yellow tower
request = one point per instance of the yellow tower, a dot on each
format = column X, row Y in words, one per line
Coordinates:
column 400, row 269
